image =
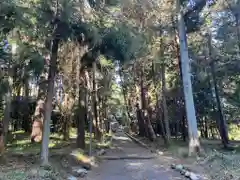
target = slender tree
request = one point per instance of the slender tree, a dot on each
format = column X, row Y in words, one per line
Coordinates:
column 194, row 144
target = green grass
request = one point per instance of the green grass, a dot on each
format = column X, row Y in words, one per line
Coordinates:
column 234, row 132
column 19, row 142
column 25, row 145
column 15, row 175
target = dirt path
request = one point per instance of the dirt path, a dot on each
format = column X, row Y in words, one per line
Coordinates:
column 134, row 169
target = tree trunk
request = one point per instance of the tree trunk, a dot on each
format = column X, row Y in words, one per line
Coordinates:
column 81, row 93
column 7, row 109
column 26, row 114
column 1, row 139
column 181, row 94
column 222, row 126
column 37, row 124
column 143, row 104
column 152, row 135
column 164, row 103
column 160, row 125
column 237, row 20
column 140, row 120
column 48, row 104
column 66, row 129
column 194, row 144
column 98, row 134
column 7, row 115
column 144, row 113
column 82, row 112
column 88, row 111
column 124, row 92
column 205, row 127
column 184, row 129
column 39, row 108
column 104, row 105
column 201, row 125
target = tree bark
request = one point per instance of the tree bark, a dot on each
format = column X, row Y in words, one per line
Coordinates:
column 26, row 116
column 7, row 109
column 1, row 139
column 222, row 125
column 81, row 93
column 237, row 20
column 48, row 104
column 7, row 115
column 194, row 144
column 160, row 124
column 98, row 134
column 165, row 110
column 82, row 112
column 144, row 113
column 124, row 92
column 140, row 120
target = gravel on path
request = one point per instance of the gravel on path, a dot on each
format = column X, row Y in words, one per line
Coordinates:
column 142, row 169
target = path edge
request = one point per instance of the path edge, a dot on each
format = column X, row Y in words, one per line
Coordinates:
column 156, row 152
column 139, row 142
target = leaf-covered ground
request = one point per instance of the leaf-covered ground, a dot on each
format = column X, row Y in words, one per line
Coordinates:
column 17, row 167
column 21, row 160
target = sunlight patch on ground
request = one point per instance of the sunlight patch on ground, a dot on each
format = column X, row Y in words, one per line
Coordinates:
column 104, row 145
column 18, row 132
column 121, row 138
column 81, row 158
column 73, row 133
column 20, row 142
column 135, row 164
column 52, row 144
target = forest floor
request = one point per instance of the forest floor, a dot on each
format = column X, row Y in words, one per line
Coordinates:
column 129, row 161
column 124, row 159
column 21, row 161
column 214, row 161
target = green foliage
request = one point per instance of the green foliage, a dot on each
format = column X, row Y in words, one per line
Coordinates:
column 7, row 16
column 4, row 57
column 234, row 132
column 3, row 54
column 192, row 16
column 86, row 33
column 30, row 59
column 36, row 64
column 105, row 63
column 119, row 43
column 112, row 2
column 15, row 175
column 12, row 14
column 116, row 101
column 122, row 43
column 96, row 4
column 3, row 86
